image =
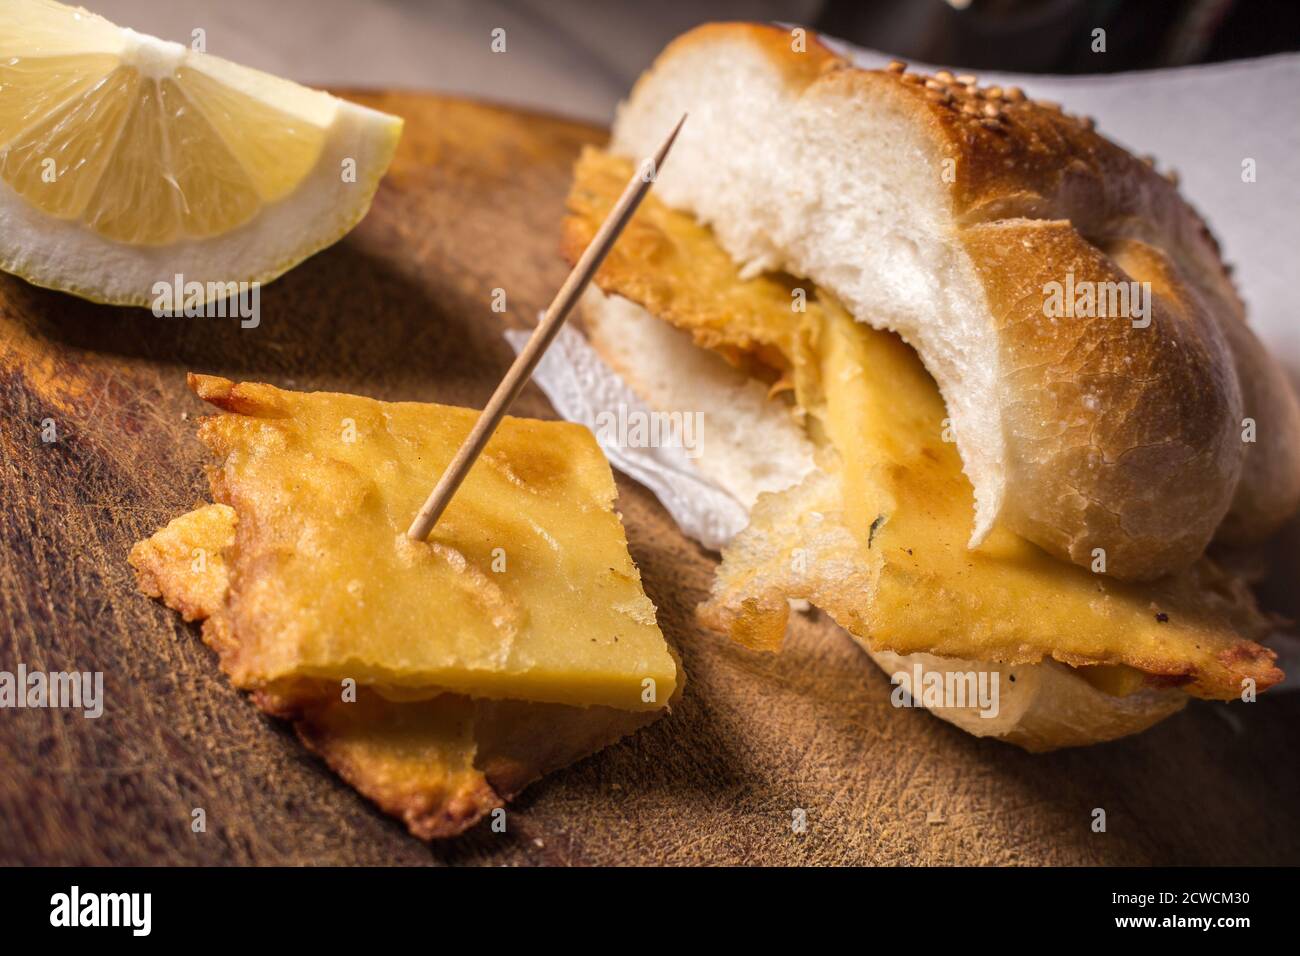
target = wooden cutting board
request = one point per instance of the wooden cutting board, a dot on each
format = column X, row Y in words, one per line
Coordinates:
column 401, row 310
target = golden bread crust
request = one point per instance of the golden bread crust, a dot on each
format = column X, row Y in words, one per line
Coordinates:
column 1123, row 442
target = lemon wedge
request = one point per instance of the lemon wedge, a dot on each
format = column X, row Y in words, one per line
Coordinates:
column 126, row 160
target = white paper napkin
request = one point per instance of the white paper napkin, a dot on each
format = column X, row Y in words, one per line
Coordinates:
column 581, row 387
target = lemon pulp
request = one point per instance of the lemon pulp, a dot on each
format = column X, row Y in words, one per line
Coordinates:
column 141, row 140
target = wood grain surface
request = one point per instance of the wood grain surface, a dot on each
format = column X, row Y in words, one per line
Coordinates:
column 401, row 310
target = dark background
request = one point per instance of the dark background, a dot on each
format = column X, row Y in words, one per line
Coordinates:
column 1054, row 36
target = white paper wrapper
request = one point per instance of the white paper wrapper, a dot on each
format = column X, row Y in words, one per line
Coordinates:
column 582, row 387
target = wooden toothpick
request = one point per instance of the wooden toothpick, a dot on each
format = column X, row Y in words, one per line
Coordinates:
column 547, row 328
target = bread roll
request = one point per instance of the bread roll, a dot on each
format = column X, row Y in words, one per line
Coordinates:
column 1043, row 706
column 967, row 220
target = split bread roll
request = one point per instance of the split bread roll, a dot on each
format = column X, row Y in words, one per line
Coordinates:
column 965, row 219
column 1042, row 706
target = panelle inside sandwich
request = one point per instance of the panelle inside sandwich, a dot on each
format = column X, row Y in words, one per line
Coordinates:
column 979, row 374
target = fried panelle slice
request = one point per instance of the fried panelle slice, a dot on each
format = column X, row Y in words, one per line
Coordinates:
column 877, row 538
column 525, row 589
column 439, row 764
